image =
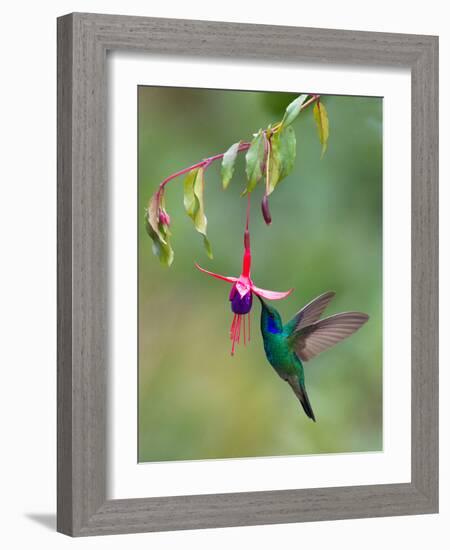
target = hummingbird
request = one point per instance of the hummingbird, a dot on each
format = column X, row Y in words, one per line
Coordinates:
column 302, row 338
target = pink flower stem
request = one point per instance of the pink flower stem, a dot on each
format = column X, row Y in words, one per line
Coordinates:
column 248, row 212
column 204, row 163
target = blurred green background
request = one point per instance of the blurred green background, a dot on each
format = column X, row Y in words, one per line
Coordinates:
column 195, row 400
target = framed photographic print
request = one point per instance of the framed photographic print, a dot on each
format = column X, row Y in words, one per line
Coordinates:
column 247, row 274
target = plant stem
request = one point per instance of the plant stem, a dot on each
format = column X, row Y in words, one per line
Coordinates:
column 204, row 163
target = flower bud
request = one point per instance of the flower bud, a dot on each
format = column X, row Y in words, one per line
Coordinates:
column 265, row 210
column 164, row 217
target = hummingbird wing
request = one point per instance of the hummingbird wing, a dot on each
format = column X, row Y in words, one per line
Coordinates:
column 311, row 340
column 310, row 313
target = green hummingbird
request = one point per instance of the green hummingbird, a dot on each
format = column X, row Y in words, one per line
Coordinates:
column 302, row 338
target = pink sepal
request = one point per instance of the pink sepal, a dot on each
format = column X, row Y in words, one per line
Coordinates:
column 271, row 294
column 217, row 276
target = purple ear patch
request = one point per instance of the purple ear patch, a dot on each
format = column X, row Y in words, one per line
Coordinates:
column 272, row 326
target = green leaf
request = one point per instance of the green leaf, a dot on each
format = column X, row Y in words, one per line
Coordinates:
column 199, row 218
column 158, row 232
column 293, row 110
column 273, row 165
column 254, row 159
column 228, row 161
column 194, row 184
column 208, row 247
column 161, row 248
column 288, row 151
column 190, row 203
column 321, row 118
column 282, row 156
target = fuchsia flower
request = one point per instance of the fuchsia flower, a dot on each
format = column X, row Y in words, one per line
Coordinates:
column 241, row 295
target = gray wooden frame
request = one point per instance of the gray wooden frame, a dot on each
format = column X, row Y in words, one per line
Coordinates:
column 83, row 41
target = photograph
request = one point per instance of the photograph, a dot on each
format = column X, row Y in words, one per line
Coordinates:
column 260, row 292
column 221, row 283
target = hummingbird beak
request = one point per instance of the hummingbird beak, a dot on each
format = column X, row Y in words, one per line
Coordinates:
column 263, row 303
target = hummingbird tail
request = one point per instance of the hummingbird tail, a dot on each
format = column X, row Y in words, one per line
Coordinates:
column 300, row 391
column 304, row 400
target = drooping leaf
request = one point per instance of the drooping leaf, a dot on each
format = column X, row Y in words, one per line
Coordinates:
column 189, row 195
column 228, row 161
column 208, row 247
column 293, row 110
column 194, row 184
column 160, row 247
column 153, row 214
column 200, row 220
column 321, row 118
column 282, row 156
column 254, row 161
column 288, row 150
column 273, row 167
column 158, row 232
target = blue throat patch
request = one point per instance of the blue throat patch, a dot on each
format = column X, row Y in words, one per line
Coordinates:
column 272, row 326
